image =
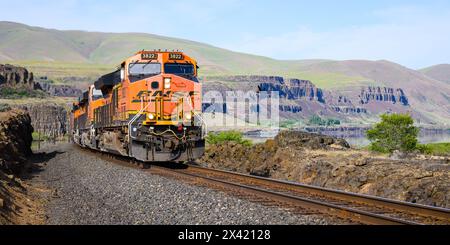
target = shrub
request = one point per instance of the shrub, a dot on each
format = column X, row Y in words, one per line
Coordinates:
column 4, row 107
column 39, row 136
column 442, row 149
column 394, row 132
column 227, row 136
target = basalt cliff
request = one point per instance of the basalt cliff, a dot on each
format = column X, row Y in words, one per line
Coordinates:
column 302, row 99
column 13, row 76
column 19, row 78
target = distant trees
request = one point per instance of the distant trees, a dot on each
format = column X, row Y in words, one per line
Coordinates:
column 394, row 132
column 316, row 120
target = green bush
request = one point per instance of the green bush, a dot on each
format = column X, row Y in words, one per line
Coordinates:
column 442, row 149
column 394, row 132
column 39, row 136
column 227, row 136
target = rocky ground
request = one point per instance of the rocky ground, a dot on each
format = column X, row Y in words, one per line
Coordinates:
column 327, row 162
column 89, row 190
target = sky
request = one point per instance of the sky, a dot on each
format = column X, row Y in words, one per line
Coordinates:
column 413, row 33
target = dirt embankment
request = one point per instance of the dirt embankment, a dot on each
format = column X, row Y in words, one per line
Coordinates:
column 15, row 140
column 328, row 162
column 17, row 205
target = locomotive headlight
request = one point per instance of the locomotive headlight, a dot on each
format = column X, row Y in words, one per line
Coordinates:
column 167, row 82
column 151, row 116
column 188, row 116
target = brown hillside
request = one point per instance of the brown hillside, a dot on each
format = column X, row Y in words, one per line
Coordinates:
column 438, row 72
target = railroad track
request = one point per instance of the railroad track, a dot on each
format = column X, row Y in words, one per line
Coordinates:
column 303, row 199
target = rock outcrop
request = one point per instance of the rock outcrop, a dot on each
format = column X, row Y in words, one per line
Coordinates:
column 13, row 76
column 20, row 79
column 383, row 94
column 59, row 90
column 299, row 139
column 291, row 89
column 20, row 203
column 294, row 89
column 291, row 108
column 15, row 140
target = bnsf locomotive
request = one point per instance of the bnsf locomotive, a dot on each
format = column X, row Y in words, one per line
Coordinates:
column 148, row 109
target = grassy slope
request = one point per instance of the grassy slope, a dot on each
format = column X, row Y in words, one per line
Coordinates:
column 59, row 70
column 89, row 54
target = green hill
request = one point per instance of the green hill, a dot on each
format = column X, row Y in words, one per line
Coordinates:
column 71, row 53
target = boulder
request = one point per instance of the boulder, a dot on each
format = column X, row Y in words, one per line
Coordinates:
column 301, row 139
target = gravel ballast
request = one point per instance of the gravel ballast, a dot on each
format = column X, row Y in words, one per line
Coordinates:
column 90, row 190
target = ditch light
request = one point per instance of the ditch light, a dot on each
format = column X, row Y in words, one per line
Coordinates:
column 167, row 82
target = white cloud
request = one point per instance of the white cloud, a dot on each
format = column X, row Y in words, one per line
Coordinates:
column 410, row 36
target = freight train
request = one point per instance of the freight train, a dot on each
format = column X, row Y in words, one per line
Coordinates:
column 148, row 109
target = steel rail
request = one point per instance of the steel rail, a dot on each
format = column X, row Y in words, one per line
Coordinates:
column 320, row 206
column 419, row 209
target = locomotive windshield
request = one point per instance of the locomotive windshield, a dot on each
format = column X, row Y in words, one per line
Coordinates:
column 179, row 69
column 144, row 69
column 96, row 94
column 139, row 71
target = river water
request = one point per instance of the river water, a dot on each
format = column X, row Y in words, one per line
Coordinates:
column 357, row 137
column 425, row 137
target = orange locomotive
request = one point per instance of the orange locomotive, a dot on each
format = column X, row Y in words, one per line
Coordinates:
column 148, row 109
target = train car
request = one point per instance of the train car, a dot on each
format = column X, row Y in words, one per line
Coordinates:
column 148, row 109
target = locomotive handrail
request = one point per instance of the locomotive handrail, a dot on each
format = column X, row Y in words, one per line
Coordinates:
column 135, row 118
column 205, row 128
